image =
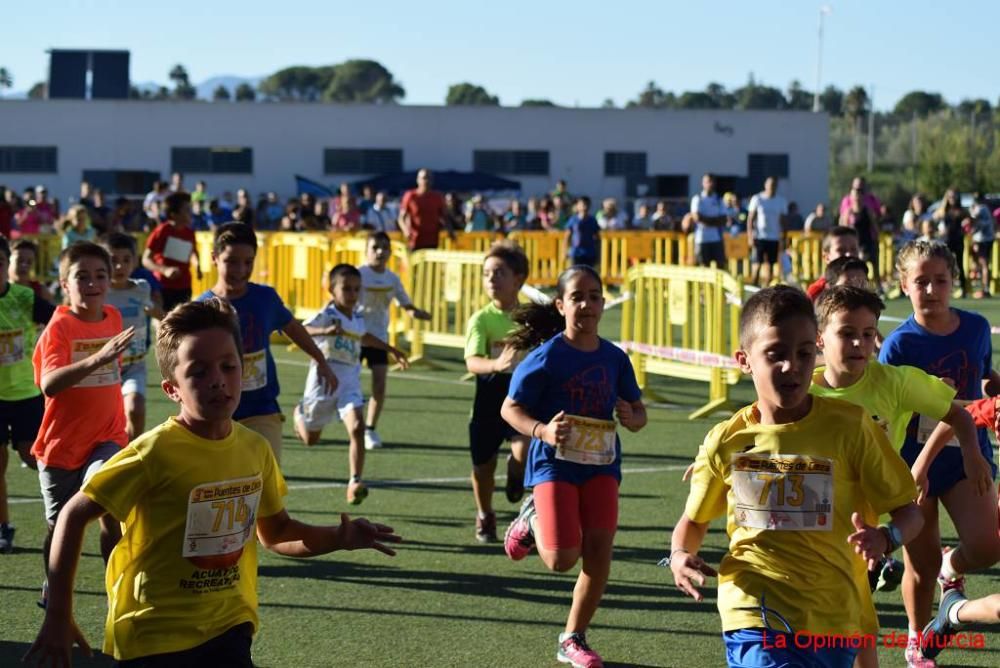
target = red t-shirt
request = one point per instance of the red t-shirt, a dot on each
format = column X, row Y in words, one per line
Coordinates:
column 816, row 288
column 90, row 412
column 425, row 213
column 171, row 246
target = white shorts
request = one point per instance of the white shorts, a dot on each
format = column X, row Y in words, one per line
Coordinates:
column 134, row 378
column 317, row 407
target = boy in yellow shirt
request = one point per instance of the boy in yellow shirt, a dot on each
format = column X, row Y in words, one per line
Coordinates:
column 790, row 472
column 193, row 495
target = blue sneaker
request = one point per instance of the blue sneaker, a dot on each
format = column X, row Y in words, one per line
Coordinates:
column 6, row 538
column 940, row 629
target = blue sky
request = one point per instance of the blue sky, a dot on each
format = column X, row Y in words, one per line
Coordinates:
column 574, row 53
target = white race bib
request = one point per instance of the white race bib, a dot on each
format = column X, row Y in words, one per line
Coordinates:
column 927, row 425
column 254, row 370
column 221, row 517
column 108, row 374
column 178, row 249
column 344, row 348
column 11, row 346
column 783, row 492
column 591, row 441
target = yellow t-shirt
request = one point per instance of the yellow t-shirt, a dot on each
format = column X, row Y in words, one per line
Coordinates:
column 788, row 492
column 891, row 395
column 185, row 570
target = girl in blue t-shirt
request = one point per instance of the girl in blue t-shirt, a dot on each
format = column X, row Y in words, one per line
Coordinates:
column 565, row 395
column 956, row 346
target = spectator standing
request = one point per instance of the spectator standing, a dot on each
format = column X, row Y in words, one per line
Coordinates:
column 546, row 213
column 177, row 183
column 731, row 206
column 39, row 215
column 6, row 213
column 379, row 216
column 422, row 214
column 243, row 213
column 709, row 216
column 200, row 193
column 817, row 221
column 367, row 199
column 951, row 217
column 583, row 235
column 868, row 200
column 560, row 213
column 477, row 216
column 515, row 219
column 794, row 221
column 864, row 219
column 609, row 217
column 100, row 213
column 662, row 220
column 983, row 235
column 531, row 214
column 153, row 201
column 642, row 220
column 348, row 216
column 766, row 221
column 915, row 214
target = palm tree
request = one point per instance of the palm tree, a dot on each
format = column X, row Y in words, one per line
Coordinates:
column 6, row 79
column 855, row 105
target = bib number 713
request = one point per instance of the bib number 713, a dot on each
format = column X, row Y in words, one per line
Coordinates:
column 790, row 495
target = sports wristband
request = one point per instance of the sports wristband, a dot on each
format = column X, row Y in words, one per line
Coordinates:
column 534, row 427
column 893, row 537
column 666, row 560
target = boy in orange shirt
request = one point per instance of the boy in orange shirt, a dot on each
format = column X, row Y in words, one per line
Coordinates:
column 76, row 367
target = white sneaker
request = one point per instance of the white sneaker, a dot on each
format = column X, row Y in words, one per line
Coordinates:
column 372, row 440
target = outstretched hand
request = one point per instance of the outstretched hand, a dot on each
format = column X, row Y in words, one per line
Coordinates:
column 54, row 644
column 868, row 541
column 689, row 572
column 360, row 534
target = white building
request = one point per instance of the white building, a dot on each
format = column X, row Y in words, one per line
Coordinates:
column 119, row 145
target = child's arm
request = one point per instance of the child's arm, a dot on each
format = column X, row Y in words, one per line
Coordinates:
column 991, row 385
column 59, row 631
column 631, row 414
column 873, row 543
column 149, row 263
column 957, row 421
column 197, row 263
column 417, row 313
column 688, row 568
column 62, row 378
column 556, row 432
column 484, row 366
column 332, row 330
column 300, row 337
column 289, row 537
column 370, row 341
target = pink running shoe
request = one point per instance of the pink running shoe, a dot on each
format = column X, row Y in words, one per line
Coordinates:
column 915, row 658
column 519, row 539
column 575, row 651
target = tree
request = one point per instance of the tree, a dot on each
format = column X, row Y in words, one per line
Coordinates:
column 162, row 93
column 978, row 106
column 530, row 102
column 856, row 103
column 183, row 90
column 919, row 103
column 799, row 98
column 696, row 100
column 365, row 81
column 831, row 100
column 722, row 98
column 467, row 94
column 39, row 91
column 653, row 97
column 297, row 83
column 245, row 93
column 608, row 104
column 755, row 96
column 6, row 80
column 220, row 94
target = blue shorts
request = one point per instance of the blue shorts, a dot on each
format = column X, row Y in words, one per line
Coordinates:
column 947, row 469
column 746, row 648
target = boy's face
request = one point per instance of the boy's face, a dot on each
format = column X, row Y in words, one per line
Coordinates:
column 122, row 264
column 855, row 278
column 378, row 253
column 581, row 209
column 844, row 246
column 235, row 265
column 928, row 283
column 501, row 283
column 345, row 291
column 24, row 262
column 781, row 359
column 848, row 340
column 208, row 376
column 86, row 283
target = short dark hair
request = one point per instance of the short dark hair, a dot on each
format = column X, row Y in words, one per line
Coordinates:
column 119, row 241
column 839, row 298
column 837, row 268
column 174, row 203
column 772, row 306
column 76, row 252
column 25, row 244
column 343, row 270
column 835, row 233
column 232, row 234
column 584, row 199
column 511, row 255
column 379, row 237
column 4, row 246
column 191, row 318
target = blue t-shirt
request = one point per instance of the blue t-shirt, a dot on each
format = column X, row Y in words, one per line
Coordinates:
column 261, row 312
column 965, row 356
column 584, row 235
column 557, row 377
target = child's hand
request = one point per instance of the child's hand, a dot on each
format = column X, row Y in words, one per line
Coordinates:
column 420, row 314
column 361, row 534
column 979, row 474
column 115, row 346
column 556, row 432
column 919, row 473
column 687, row 472
column 334, row 330
column 690, row 570
column 868, row 541
column 327, row 378
column 172, row 272
column 505, row 362
column 400, row 358
column 55, row 640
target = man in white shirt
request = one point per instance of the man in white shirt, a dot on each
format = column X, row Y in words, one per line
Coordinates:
column 709, row 217
column 766, row 229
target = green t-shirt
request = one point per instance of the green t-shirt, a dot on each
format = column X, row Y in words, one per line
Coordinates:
column 17, row 340
column 891, row 395
column 486, row 330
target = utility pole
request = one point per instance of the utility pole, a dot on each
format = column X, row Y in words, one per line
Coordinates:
column 871, row 127
column 823, row 11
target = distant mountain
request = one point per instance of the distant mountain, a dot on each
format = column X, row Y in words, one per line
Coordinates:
column 207, row 87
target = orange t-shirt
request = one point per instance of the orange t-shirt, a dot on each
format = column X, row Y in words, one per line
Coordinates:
column 90, row 412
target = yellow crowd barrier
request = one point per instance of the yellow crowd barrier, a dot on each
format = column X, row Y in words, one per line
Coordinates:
column 683, row 322
column 546, row 253
column 204, row 244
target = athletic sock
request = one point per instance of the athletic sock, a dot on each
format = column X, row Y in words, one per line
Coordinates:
column 355, row 478
column 947, row 569
column 913, row 637
column 481, row 515
column 953, row 613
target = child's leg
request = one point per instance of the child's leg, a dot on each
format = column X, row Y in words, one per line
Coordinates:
column 975, row 519
column 4, row 509
column 135, row 414
column 981, row 610
column 922, row 557
column 484, row 484
column 599, row 519
column 355, row 423
column 306, row 435
column 556, row 525
column 519, row 448
column 380, row 373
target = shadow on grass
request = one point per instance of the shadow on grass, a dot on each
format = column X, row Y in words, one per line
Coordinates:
column 11, row 653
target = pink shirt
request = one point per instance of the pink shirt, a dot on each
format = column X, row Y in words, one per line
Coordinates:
column 869, row 200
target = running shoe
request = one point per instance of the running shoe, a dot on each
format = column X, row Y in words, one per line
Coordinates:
column 43, row 602
column 947, row 584
column 486, row 528
column 940, row 629
column 915, row 657
column 372, row 440
column 515, row 480
column 890, row 575
column 519, row 539
column 6, row 538
column 575, row 651
column 356, row 493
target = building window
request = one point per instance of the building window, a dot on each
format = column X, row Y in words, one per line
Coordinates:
column 524, row 163
column 121, row 181
column 213, row 160
column 28, row 159
column 624, row 163
column 762, row 165
column 362, row 160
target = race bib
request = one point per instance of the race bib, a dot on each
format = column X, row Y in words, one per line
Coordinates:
column 591, row 441
column 344, row 348
column 11, row 346
column 496, row 350
column 178, row 249
column 107, row 374
column 927, row 425
column 221, row 517
column 254, row 370
column 783, row 492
